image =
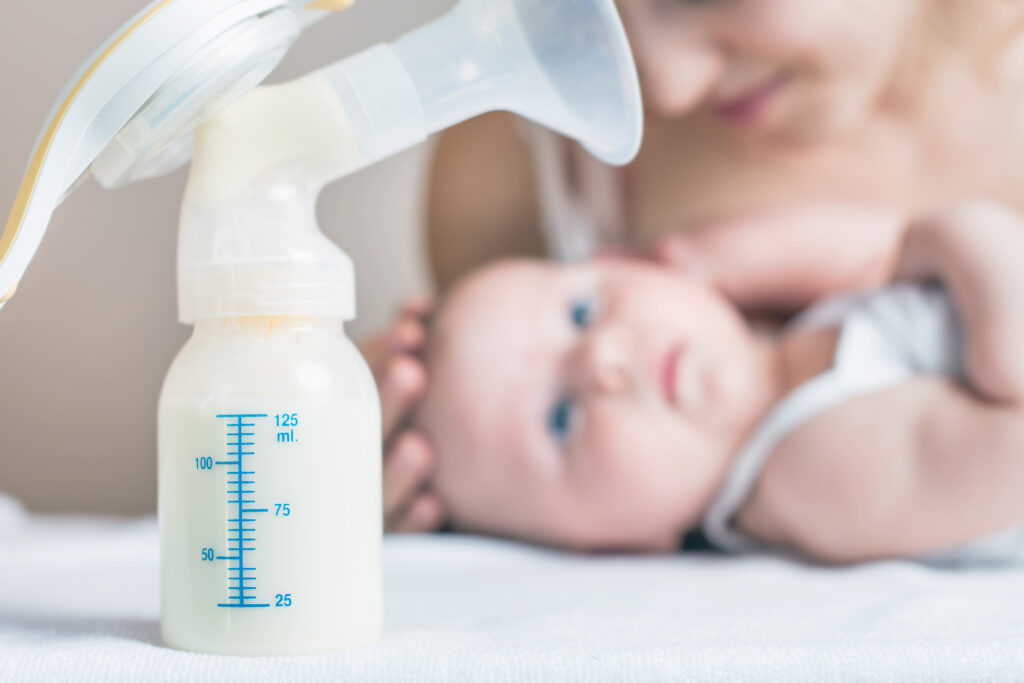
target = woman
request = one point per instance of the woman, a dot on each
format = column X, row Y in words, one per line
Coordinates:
column 787, row 143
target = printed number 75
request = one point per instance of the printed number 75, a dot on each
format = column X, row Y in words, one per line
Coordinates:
column 282, row 510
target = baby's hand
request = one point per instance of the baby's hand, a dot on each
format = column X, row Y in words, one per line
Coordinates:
column 785, row 260
column 393, row 355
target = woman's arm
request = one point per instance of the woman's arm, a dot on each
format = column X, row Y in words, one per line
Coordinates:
column 787, row 259
column 976, row 250
column 483, row 202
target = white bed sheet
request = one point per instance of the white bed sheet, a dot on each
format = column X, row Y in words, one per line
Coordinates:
column 79, row 602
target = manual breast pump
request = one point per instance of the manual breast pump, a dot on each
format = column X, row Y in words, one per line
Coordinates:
column 269, row 424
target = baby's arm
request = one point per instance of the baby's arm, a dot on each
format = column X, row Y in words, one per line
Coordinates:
column 928, row 464
column 915, row 469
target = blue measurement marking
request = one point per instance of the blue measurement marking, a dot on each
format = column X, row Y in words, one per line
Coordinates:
column 241, row 589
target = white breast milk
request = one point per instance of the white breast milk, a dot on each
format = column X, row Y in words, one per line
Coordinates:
column 269, row 420
column 270, row 503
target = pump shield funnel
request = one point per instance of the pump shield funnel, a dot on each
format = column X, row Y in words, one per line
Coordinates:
column 564, row 64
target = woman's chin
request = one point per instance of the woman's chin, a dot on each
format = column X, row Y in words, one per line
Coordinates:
column 817, row 121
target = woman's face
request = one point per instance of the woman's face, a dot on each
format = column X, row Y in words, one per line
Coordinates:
column 794, row 69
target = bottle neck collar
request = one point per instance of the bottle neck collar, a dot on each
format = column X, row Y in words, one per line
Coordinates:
column 269, row 324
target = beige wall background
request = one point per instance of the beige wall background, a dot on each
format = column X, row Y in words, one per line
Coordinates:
column 85, row 344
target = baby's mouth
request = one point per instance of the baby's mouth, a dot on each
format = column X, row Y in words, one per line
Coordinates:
column 681, row 380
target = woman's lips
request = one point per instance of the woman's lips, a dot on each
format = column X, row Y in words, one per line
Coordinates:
column 749, row 105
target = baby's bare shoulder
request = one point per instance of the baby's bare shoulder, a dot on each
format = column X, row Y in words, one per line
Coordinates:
column 857, row 481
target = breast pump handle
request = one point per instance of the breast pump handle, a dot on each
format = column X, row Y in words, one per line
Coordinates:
column 565, row 65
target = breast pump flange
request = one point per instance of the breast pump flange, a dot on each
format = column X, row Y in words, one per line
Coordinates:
column 253, row 263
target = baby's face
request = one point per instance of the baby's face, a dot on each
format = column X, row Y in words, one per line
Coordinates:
column 591, row 406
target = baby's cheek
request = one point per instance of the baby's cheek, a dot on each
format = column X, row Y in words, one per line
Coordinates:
column 630, row 452
column 626, row 489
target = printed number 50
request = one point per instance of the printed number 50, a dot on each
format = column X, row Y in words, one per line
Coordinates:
column 283, row 600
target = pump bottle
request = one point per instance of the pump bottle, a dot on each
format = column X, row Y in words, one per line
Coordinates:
column 269, row 420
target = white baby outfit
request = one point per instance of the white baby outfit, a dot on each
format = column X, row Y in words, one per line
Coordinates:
column 885, row 338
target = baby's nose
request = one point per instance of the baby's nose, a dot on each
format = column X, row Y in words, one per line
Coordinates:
column 608, row 359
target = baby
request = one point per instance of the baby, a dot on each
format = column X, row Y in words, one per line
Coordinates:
column 617, row 405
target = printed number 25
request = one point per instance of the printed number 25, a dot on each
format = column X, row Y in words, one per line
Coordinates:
column 283, row 600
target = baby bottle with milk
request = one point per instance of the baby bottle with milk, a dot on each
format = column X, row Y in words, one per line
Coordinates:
column 269, row 421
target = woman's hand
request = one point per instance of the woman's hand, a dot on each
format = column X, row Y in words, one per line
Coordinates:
column 974, row 250
column 784, row 260
column 393, row 355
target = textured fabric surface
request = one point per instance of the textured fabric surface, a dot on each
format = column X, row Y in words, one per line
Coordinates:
column 78, row 602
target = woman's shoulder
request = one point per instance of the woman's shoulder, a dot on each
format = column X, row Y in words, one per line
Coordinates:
column 482, row 201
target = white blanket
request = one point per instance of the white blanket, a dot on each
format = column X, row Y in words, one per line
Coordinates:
column 79, row 602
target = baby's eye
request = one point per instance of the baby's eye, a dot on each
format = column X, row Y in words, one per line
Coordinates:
column 561, row 419
column 582, row 312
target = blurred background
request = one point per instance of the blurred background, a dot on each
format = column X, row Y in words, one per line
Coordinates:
column 86, row 342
